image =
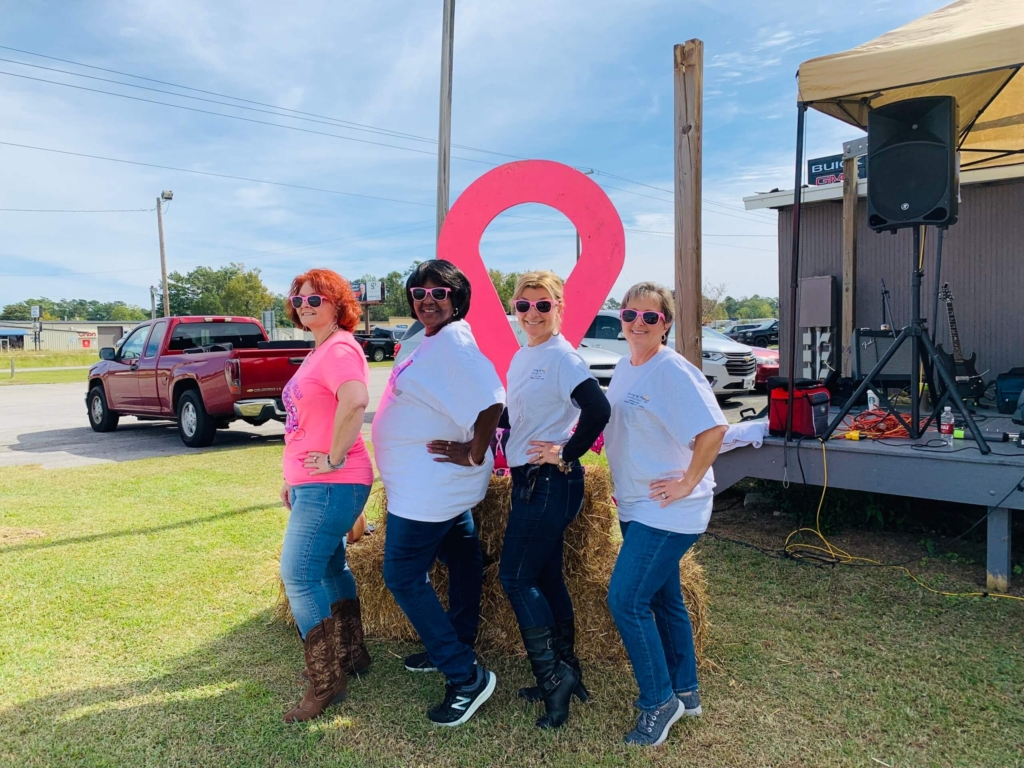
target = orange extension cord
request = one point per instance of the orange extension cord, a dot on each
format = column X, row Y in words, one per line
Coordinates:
column 875, row 424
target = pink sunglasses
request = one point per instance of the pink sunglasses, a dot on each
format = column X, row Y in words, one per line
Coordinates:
column 649, row 317
column 314, row 300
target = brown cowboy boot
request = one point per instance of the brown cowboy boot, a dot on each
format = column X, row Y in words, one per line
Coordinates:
column 352, row 653
column 327, row 683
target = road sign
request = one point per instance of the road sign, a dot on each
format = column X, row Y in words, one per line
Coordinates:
column 268, row 322
column 36, row 313
column 374, row 291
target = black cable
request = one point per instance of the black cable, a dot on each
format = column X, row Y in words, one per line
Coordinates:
column 65, row 210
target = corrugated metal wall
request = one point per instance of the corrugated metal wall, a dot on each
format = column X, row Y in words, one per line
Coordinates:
column 982, row 260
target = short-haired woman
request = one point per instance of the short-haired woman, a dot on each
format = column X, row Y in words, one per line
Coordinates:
column 431, row 436
column 550, row 389
column 327, row 479
column 665, row 431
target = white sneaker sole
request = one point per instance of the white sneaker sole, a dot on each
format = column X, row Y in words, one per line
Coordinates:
column 695, row 712
column 421, row 669
column 492, row 682
column 669, row 724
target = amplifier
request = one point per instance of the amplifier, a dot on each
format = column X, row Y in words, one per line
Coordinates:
column 869, row 346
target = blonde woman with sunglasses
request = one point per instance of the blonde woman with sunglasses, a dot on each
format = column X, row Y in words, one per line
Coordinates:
column 551, row 392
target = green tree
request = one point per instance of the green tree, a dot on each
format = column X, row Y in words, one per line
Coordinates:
column 611, row 303
column 19, row 311
column 231, row 290
column 505, row 284
column 124, row 312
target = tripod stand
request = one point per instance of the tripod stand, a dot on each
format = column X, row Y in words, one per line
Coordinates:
column 919, row 338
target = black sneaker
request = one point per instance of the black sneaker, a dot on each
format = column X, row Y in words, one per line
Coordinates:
column 419, row 662
column 462, row 701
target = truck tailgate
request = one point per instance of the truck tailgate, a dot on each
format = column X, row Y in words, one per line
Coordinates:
column 266, row 371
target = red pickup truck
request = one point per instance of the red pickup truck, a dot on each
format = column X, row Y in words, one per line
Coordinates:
column 203, row 372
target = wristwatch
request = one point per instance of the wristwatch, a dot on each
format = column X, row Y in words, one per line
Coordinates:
column 562, row 465
column 334, row 467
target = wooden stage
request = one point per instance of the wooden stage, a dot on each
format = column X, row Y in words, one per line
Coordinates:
column 902, row 468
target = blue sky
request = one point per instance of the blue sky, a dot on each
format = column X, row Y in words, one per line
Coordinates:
column 586, row 83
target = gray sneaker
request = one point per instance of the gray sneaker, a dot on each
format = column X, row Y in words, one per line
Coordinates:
column 691, row 704
column 652, row 727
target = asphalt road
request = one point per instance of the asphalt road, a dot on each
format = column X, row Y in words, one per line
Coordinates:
column 46, row 424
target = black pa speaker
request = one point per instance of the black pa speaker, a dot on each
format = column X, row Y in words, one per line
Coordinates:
column 912, row 173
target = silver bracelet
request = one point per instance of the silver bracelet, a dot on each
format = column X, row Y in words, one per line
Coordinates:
column 334, row 467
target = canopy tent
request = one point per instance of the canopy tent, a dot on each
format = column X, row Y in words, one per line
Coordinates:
column 972, row 50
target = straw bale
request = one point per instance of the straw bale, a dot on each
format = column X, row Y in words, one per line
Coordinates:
column 591, row 545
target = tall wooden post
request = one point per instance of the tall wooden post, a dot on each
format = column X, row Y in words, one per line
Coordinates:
column 163, row 255
column 689, row 101
column 444, row 132
column 849, row 259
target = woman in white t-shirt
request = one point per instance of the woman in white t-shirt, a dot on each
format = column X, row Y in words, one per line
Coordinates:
column 431, row 437
column 665, row 431
column 550, row 392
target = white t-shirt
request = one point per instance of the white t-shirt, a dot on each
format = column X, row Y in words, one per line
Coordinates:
column 436, row 394
column 658, row 408
column 540, row 384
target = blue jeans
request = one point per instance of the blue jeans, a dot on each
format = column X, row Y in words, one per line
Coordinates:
column 646, row 602
column 410, row 549
column 544, row 502
column 313, row 565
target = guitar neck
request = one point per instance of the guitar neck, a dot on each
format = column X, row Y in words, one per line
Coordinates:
column 954, row 334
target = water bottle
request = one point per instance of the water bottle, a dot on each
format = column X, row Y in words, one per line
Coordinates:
column 946, row 427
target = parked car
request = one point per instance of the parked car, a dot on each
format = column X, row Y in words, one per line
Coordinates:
column 767, row 365
column 760, row 335
column 203, row 372
column 735, row 329
column 601, row 363
column 728, row 366
column 379, row 344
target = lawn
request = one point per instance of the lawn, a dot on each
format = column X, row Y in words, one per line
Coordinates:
column 135, row 601
column 44, row 359
column 42, row 377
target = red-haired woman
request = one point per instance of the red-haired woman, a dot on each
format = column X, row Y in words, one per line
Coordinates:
column 327, row 479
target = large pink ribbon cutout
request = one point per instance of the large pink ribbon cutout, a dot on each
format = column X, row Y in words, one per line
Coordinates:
column 565, row 189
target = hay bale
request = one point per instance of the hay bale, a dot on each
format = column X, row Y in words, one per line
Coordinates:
column 591, row 545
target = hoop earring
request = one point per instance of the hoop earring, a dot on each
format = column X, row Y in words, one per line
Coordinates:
column 334, row 326
column 455, row 313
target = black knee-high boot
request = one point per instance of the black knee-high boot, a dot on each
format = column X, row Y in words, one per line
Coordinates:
column 555, row 679
column 565, row 649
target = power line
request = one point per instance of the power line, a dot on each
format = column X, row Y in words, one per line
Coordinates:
column 239, row 117
column 750, row 215
column 65, row 210
column 354, row 126
column 215, row 175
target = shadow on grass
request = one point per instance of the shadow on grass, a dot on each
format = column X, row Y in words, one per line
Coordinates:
column 75, row 540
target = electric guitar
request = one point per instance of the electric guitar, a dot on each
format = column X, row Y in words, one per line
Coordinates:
column 969, row 384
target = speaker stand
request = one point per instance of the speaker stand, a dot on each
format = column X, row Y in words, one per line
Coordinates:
column 919, row 338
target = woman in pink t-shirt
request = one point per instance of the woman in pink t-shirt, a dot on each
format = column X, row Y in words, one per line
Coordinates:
column 327, row 479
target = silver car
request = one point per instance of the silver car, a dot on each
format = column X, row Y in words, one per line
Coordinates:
column 600, row 362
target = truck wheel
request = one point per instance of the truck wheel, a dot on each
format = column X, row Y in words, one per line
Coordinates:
column 101, row 418
column 195, row 426
column 378, row 355
column 761, row 341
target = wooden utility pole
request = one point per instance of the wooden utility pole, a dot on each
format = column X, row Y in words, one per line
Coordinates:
column 163, row 256
column 849, row 259
column 444, row 133
column 689, row 109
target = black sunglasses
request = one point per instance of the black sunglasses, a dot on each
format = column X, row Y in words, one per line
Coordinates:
column 437, row 294
column 649, row 318
column 543, row 306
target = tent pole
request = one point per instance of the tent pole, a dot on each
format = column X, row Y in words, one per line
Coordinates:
column 794, row 262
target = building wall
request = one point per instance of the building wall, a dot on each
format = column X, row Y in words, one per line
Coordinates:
column 982, row 260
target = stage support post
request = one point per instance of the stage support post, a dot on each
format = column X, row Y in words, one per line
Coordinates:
column 998, row 567
column 794, row 262
column 849, row 260
column 689, row 100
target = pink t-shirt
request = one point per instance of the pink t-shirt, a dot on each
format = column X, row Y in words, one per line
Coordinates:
column 311, row 399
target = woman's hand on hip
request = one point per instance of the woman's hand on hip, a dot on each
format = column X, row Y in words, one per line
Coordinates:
column 451, row 452
column 671, row 489
column 543, row 452
column 286, row 496
column 316, row 463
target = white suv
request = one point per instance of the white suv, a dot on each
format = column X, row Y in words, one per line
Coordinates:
column 601, row 362
column 730, row 367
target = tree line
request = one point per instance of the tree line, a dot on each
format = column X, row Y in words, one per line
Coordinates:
column 237, row 290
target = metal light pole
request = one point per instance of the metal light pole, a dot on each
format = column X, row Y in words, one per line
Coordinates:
column 444, row 132
column 165, row 195
column 579, row 245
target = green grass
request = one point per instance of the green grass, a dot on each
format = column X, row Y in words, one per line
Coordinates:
column 33, row 359
column 42, row 377
column 135, row 600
